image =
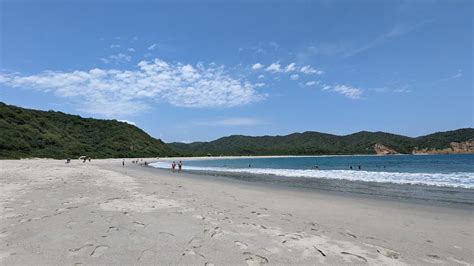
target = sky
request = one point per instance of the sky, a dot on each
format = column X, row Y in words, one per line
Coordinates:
column 200, row 70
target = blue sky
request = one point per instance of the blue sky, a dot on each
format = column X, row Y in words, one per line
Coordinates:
column 200, row 71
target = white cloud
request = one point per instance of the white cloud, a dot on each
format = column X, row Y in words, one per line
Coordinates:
column 291, row 67
column 312, row 83
column 112, row 92
column 402, row 90
column 308, row 70
column 261, row 76
column 230, row 122
column 128, row 122
column 116, row 58
column 348, row 91
column 257, row 66
column 131, row 50
column 325, row 87
column 115, row 46
column 120, row 57
column 274, row 68
column 294, row 77
column 259, row 84
column 152, row 47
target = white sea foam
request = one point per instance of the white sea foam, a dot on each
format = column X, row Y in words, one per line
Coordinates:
column 459, row 179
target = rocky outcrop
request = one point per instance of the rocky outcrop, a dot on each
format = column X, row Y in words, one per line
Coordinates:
column 465, row 147
column 381, row 149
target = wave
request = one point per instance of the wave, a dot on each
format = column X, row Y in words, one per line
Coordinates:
column 459, row 179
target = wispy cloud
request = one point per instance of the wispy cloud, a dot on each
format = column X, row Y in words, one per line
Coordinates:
column 312, row 83
column 346, row 90
column 294, row 77
column 310, row 70
column 307, row 69
column 401, row 89
column 120, row 57
column 152, row 47
column 229, row 122
column 457, row 75
column 131, row 50
column 112, row 92
column 116, row 58
column 396, row 31
column 115, row 46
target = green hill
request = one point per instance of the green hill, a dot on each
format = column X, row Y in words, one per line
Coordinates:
column 30, row 133
column 26, row 133
column 315, row 143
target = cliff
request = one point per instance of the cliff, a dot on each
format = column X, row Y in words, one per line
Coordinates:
column 465, row 147
column 381, row 149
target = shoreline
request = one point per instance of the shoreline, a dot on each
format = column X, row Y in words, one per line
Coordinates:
column 231, row 179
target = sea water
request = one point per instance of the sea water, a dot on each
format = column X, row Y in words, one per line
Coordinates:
column 442, row 177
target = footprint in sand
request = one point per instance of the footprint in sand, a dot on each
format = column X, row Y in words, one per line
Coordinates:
column 195, row 242
column 354, row 255
column 388, row 253
column 241, row 245
column 112, row 228
column 351, row 235
column 146, row 254
column 216, row 232
column 79, row 250
column 139, row 224
column 255, row 259
column 99, row 251
column 320, row 251
column 71, row 224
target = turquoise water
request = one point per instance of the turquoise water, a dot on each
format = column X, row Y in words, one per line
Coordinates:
column 434, row 170
column 401, row 163
column 435, row 177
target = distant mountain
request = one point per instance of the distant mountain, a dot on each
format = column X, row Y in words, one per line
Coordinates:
column 26, row 133
column 30, row 133
column 315, row 143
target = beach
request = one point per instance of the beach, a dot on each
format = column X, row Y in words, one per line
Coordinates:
column 103, row 213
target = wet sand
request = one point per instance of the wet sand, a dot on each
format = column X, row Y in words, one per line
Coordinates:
column 103, row 213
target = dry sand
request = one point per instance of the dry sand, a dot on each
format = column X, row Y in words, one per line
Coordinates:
column 103, row 213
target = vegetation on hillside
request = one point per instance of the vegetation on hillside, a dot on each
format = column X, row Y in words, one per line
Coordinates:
column 26, row 133
column 315, row 143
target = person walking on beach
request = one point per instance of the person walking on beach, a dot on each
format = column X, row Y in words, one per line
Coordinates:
column 173, row 166
column 123, row 162
column 180, row 166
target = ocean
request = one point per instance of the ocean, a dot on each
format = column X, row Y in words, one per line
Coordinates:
column 447, row 178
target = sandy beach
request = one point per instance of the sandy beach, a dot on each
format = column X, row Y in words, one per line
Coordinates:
column 103, row 213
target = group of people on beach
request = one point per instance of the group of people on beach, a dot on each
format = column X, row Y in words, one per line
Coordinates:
column 179, row 164
column 83, row 158
column 137, row 161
